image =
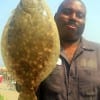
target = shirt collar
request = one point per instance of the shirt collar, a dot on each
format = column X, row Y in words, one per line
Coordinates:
column 87, row 45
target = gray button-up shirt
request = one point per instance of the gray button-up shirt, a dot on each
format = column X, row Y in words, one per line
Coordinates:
column 78, row 80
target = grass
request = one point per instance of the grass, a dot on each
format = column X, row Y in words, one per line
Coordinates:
column 1, row 97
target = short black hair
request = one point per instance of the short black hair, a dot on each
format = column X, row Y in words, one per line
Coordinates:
column 60, row 7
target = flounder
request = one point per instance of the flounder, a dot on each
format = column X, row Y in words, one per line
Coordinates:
column 30, row 45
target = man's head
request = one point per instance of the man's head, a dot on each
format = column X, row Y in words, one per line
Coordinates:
column 70, row 20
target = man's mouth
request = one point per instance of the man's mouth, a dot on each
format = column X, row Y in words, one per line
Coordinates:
column 71, row 27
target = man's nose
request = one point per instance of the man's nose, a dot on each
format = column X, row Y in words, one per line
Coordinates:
column 73, row 16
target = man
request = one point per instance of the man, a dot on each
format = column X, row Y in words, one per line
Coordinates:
column 74, row 77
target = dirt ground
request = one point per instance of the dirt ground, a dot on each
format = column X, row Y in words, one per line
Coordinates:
column 8, row 92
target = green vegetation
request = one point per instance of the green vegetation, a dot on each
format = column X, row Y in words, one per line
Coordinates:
column 1, row 97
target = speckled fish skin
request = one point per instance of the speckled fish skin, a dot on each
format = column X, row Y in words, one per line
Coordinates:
column 30, row 45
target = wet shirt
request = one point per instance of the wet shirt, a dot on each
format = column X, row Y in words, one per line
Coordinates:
column 75, row 80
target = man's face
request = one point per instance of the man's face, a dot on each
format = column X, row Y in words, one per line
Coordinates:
column 70, row 20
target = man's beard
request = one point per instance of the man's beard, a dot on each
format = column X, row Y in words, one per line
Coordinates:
column 72, row 36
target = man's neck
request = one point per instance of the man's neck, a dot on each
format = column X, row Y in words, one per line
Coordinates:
column 70, row 49
column 68, row 45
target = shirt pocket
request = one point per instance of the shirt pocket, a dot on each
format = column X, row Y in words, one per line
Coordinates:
column 87, row 86
column 87, row 90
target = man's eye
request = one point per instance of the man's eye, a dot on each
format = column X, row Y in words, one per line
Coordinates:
column 66, row 11
column 80, row 15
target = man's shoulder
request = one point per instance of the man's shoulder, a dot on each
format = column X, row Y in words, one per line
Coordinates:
column 91, row 44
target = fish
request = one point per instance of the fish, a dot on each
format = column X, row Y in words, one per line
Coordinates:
column 30, row 45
